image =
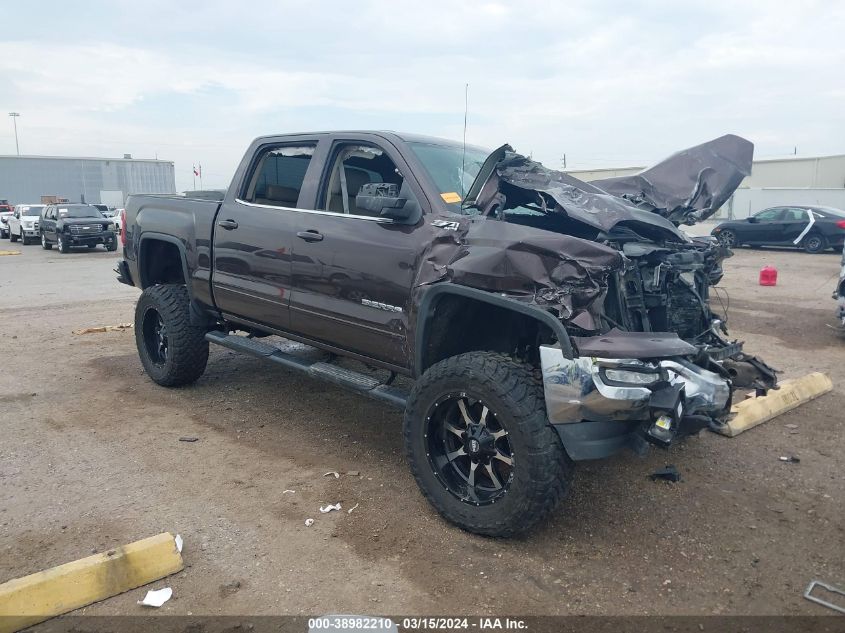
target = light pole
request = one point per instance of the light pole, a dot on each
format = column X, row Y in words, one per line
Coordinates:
column 15, row 116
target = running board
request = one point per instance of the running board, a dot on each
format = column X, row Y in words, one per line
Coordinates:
column 356, row 381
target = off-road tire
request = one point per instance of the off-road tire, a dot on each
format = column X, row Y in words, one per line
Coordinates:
column 45, row 244
column 542, row 471
column 813, row 243
column 187, row 348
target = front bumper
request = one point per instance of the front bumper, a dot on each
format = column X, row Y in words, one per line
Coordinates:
column 30, row 231
column 596, row 416
column 105, row 237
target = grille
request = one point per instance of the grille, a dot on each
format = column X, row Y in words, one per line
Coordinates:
column 85, row 229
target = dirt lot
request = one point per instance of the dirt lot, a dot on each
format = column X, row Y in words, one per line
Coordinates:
column 90, row 458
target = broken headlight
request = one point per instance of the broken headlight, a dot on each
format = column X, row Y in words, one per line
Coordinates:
column 631, row 375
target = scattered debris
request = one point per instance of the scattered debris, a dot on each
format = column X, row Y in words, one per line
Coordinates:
column 230, row 588
column 156, row 598
column 288, row 492
column 186, row 438
column 791, row 426
column 120, row 327
column 669, row 473
column 349, row 511
column 813, row 584
column 791, row 459
column 353, row 473
column 9, row 253
column 329, row 508
column 309, row 522
column 178, row 540
column 333, row 473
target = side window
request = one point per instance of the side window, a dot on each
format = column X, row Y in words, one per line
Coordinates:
column 278, row 174
column 769, row 215
column 794, row 215
column 353, row 167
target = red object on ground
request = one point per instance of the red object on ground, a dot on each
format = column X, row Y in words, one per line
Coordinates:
column 768, row 276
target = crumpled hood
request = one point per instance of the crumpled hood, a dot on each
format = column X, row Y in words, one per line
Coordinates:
column 690, row 185
column 687, row 187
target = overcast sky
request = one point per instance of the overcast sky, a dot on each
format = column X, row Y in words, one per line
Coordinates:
column 606, row 83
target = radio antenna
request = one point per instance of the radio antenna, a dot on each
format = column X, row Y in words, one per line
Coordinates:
column 464, row 153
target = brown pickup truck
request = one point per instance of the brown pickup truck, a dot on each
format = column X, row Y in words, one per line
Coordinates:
column 523, row 319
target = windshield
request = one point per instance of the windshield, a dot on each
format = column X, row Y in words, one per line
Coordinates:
column 452, row 170
column 79, row 212
column 36, row 211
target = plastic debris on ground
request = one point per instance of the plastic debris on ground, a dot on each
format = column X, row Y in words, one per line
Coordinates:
column 309, row 522
column 329, row 508
column 669, row 473
column 349, row 511
column 156, row 598
column 179, row 542
column 825, row 603
column 334, row 473
column 288, row 492
column 789, row 459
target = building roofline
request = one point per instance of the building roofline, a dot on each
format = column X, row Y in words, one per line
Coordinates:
column 98, row 158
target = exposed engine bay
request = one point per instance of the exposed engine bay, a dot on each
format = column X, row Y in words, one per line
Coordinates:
column 661, row 280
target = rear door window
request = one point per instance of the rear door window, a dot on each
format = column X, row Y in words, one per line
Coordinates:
column 278, row 175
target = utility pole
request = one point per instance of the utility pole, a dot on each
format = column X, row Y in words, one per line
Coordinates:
column 15, row 116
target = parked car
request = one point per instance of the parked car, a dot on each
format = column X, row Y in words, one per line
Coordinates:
column 812, row 228
column 69, row 225
column 5, row 211
column 541, row 320
column 113, row 214
column 23, row 223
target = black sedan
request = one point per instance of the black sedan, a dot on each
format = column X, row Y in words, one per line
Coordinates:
column 809, row 227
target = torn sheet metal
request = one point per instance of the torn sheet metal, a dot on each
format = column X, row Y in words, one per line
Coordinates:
column 690, row 185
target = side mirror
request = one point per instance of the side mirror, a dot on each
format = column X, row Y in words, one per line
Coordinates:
column 382, row 199
column 752, row 220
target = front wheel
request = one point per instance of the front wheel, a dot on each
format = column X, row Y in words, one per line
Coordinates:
column 480, row 446
column 45, row 244
column 173, row 351
column 12, row 236
column 728, row 238
column 814, row 243
column 24, row 238
column 64, row 247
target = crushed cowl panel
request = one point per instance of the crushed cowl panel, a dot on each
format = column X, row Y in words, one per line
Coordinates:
column 690, row 185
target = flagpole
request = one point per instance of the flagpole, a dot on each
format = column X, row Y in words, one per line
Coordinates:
column 200, row 164
column 194, row 173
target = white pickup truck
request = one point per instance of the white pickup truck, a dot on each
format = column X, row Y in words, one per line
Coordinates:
column 23, row 223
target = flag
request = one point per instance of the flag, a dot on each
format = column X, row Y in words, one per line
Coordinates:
column 196, row 173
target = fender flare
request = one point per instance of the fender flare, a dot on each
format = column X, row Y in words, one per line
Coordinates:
column 183, row 256
column 432, row 293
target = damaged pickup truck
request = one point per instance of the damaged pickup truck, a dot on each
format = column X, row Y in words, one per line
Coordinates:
column 523, row 319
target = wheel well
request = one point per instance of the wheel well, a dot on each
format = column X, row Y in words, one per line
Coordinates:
column 458, row 324
column 160, row 263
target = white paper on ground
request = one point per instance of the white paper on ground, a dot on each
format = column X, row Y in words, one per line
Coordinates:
column 329, row 508
column 333, row 473
column 156, row 598
column 178, row 539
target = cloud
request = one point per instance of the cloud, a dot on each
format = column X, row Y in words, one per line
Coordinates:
column 603, row 85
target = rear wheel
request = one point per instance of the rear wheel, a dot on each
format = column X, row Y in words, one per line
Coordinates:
column 480, row 446
column 814, row 243
column 45, row 244
column 173, row 351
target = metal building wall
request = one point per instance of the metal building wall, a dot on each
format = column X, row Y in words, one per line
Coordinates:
column 24, row 179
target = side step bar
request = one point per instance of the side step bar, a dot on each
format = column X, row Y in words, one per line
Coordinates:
column 356, row 381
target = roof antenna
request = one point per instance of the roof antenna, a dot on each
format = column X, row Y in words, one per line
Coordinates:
column 464, row 154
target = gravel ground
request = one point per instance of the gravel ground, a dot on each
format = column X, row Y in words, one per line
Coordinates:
column 90, row 458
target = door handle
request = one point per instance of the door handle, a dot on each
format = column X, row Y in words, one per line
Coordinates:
column 310, row 236
column 227, row 224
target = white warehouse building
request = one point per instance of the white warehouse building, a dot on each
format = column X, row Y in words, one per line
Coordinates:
column 809, row 180
column 25, row 179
